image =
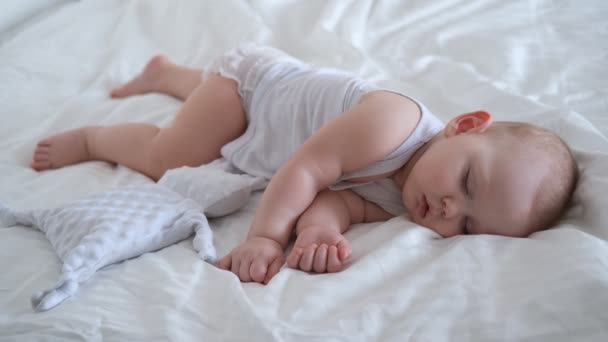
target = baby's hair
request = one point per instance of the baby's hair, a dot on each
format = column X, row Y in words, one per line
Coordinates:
column 555, row 190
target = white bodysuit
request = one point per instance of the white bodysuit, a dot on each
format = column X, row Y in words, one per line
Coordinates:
column 286, row 101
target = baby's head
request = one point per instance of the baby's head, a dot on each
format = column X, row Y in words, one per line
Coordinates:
column 479, row 177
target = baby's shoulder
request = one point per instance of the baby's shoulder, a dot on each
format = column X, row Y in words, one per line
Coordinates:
column 393, row 108
column 384, row 100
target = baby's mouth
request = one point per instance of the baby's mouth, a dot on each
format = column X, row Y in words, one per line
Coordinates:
column 423, row 208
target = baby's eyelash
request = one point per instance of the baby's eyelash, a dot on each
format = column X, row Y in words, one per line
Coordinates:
column 465, row 188
column 465, row 181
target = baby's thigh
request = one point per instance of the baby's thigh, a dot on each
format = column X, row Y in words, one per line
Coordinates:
column 210, row 117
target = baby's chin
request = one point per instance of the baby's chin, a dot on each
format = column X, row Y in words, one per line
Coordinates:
column 409, row 214
column 409, row 207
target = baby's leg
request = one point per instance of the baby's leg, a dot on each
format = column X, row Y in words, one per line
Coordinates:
column 162, row 76
column 320, row 245
column 211, row 117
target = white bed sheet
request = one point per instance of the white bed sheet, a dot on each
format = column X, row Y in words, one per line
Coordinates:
column 540, row 61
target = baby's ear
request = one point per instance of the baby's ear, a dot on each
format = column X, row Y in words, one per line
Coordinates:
column 474, row 122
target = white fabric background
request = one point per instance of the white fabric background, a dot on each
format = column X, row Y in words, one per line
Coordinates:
column 540, row 61
column 17, row 13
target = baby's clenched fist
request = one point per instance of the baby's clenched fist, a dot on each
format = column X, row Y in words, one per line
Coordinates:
column 256, row 259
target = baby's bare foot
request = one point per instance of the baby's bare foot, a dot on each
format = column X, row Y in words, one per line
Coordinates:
column 62, row 149
column 149, row 80
column 319, row 250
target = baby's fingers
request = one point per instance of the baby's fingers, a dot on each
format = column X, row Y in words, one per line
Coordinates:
column 307, row 258
column 258, row 270
column 293, row 260
column 343, row 250
column 245, row 270
column 333, row 262
column 320, row 262
column 274, row 268
column 235, row 267
column 225, row 262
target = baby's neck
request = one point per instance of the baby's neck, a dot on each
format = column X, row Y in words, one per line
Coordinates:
column 400, row 176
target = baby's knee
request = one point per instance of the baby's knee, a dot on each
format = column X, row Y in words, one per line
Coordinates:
column 156, row 163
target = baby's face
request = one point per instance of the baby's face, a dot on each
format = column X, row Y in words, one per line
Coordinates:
column 469, row 184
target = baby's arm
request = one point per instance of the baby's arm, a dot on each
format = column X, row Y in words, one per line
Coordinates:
column 354, row 140
column 320, row 246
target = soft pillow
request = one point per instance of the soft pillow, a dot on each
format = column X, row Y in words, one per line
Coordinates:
column 109, row 227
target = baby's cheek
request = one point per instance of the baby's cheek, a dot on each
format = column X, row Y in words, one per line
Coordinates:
column 437, row 180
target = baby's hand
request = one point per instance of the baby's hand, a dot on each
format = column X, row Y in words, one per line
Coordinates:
column 320, row 250
column 257, row 259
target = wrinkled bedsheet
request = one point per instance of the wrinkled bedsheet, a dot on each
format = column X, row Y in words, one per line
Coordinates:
column 539, row 61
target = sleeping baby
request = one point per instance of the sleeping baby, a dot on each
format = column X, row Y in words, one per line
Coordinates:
column 337, row 151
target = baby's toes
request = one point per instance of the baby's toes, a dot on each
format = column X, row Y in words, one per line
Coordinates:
column 43, row 143
column 40, row 159
column 40, row 165
column 41, row 151
column 320, row 262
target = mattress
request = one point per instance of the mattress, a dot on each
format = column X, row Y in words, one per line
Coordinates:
column 539, row 61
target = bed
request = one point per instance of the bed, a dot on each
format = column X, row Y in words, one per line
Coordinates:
column 538, row 61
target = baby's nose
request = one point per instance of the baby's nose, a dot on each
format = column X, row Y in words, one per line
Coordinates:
column 450, row 208
column 435, row 211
